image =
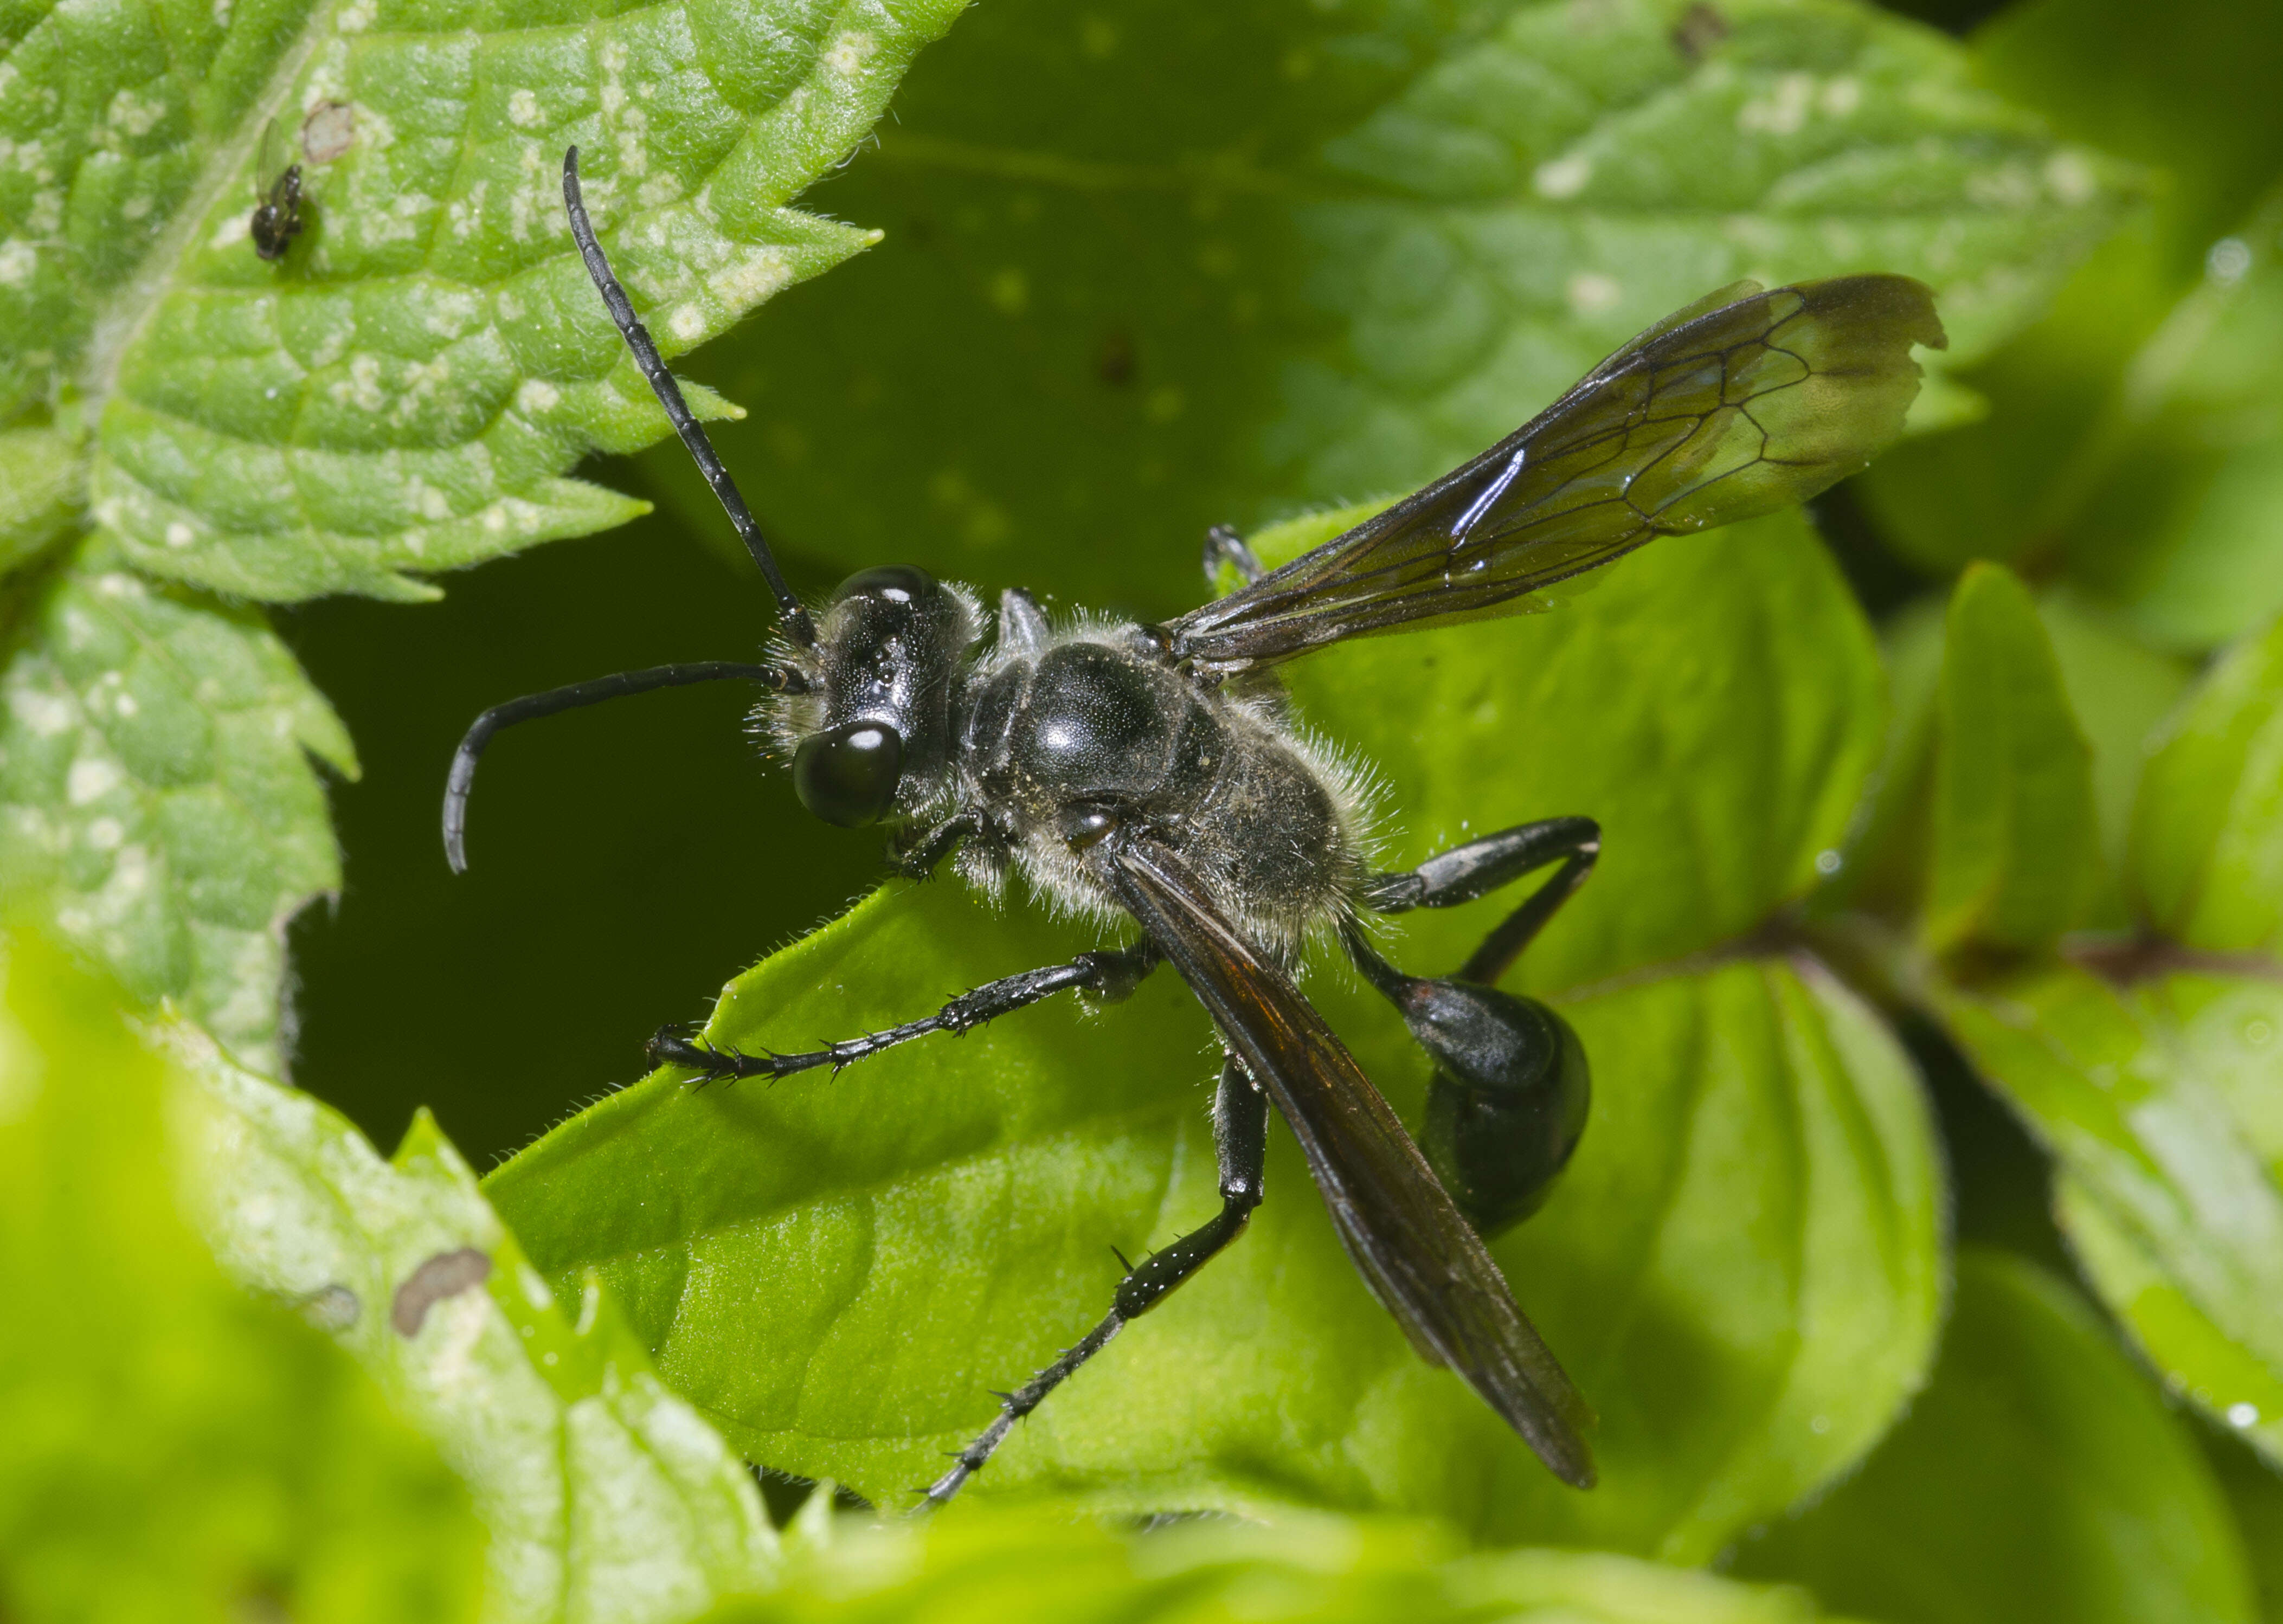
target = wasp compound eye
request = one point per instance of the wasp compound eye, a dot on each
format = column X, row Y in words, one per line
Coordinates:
column 1508, row 1101
column 847, row 774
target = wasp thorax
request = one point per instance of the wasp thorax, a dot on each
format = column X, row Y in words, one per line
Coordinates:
column 887, row 651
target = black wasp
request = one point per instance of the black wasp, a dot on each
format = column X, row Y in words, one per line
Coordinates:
column 277, row 203
column 1152, row 772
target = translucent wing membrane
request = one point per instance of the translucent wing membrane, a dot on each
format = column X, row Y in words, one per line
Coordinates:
column 1406, row 1238
column 1742, row 404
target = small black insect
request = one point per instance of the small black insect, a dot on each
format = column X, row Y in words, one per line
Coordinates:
column 1152, row 773
column 277, row 203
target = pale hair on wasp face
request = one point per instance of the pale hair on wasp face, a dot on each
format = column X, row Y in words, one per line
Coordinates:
column 1153, row 774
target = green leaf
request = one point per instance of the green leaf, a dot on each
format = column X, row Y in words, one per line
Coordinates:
column 2158, row 1098
column 607, row 1498
column 156, row 788
column 1742, row 1268
column 2015, row 832
column 2207, row 842
column 2037, row 1477
column 1715, row 703
column 402, row 392
column 2132, row 437
column 171, row 1450
column 1325, row 1570
column 1157, row 271
column 2255, row 1491
column 2119, row 690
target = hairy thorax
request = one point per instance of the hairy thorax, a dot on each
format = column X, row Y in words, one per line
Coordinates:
column 1092, row 722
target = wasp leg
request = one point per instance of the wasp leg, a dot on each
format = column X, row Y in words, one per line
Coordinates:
column 1512, row 1086
column 1241, row 1139
column 1224, row 546
column 937, row 844
column 1477, row 868
column 1111, row 974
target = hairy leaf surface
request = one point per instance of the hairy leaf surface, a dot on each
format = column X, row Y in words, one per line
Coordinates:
column 399, row 393
column 606, row 1497
column 156, row 788
column 401, row 390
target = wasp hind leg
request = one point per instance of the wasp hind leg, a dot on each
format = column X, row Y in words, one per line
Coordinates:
column 1241, row 1142
column 1512, row 1088
column 1111, row 974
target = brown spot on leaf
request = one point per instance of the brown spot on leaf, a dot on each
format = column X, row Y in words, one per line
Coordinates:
column 1700, row 28
column 1113, row 358
column 332, row 1308
column 328, row 131
column 447, row 1274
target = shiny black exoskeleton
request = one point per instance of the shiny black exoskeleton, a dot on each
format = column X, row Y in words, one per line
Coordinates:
column 277, row 215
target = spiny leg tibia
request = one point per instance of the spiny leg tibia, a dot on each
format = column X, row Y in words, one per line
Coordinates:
column 1241, row 1140
column 1480, row 866
column 1109, row 974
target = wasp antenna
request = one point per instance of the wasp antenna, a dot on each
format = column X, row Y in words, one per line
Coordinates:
column 797, row 624
column 461, row 778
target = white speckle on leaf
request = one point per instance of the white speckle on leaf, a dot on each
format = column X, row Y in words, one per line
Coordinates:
column 2242, row 1416
column 1563, row 177
column 536, row 397
column 2008, row 186
column 125, row 704
column 91, row 779
column 1827, row 862
column 523, row 110
column 1591, row 294
column 433, row 505
column 2070, row 178
column 509, row 307
column 45, row 714
column 136, row 207
column 1842, row 95
column 104, row 834
column 133, row 115
column 494, row 519
column 849, row 52
column 753, row 279
column 355, row 18
column 534, row 1287
column 685, row 323
column 179, row 534
column 17, row 262
column 235, row 228
column 362, row 387
column 117, row 584
column 1783, row 111
column 2229, row 259
column 328, row 131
